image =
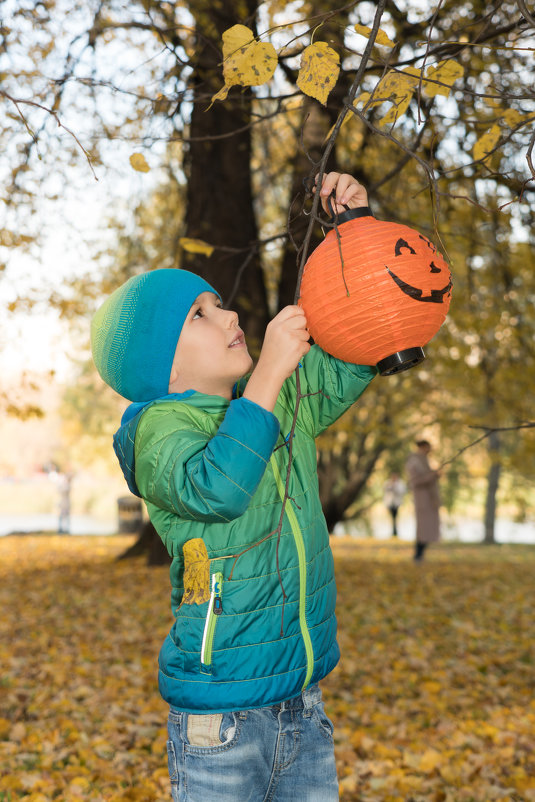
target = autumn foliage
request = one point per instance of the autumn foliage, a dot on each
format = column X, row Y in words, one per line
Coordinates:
column 433, row 698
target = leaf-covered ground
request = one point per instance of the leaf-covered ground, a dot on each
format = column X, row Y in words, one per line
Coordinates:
column 434, row 698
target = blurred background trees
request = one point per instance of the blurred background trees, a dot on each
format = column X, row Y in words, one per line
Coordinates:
column 87, row 85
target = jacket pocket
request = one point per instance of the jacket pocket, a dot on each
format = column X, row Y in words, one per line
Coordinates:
column 215, row 609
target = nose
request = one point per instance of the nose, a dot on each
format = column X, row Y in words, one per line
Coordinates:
column 232, row 318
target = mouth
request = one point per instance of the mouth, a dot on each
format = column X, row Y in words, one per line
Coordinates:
column 435, row 297
column 238, row 341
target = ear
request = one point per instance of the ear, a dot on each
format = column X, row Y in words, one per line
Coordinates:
column 173, row 376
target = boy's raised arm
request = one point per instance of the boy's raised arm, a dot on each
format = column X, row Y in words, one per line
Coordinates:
column 199, row 476
column 285, row 342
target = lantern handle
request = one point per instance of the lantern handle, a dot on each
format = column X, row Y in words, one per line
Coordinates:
column 349, row 214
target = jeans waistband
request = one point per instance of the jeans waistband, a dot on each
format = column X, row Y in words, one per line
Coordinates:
column 306, row 700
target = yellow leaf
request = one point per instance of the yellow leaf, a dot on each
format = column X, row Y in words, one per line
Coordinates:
column 380, row 39
column 431, row 759
column 414, row 72
column 431, row 686
column 345, row 121
column 486, row 143
column 512, row 117
column 196, row 246
column 398, row 88
column 139, row 163
column 445, row 72
column 320, row 66
column 426, row 762
column 5, row 726
column 395, row 85
column 222, row 94
column 246, row 62
column 196, row 572
column 397, row 110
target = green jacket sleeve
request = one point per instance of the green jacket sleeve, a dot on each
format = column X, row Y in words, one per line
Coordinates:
column 197, row 475
column 328, row 386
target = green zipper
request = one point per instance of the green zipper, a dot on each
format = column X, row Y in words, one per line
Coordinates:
column 215, row 608
column 298, row 538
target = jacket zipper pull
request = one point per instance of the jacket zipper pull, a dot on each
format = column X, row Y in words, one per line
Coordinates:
column 218, row 602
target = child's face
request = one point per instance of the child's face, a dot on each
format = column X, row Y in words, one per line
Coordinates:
column 211, row 354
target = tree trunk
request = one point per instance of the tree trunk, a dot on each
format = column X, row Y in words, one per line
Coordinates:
column 150, row 543
column 493, row 480
column 336, row 504
column 218, row 167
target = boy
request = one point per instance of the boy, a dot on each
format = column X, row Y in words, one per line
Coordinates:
column 254, row 602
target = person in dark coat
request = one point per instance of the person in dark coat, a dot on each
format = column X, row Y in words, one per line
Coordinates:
column 423, row 482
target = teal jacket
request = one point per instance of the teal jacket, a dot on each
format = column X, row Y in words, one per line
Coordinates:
column 254, row 606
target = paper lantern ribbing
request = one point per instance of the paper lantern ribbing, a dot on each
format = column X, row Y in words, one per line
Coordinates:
column 376, row 293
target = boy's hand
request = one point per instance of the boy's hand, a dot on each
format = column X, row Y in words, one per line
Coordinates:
column 285, row 342
column 347, row 190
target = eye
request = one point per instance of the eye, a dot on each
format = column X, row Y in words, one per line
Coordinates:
column 400, row 244
column 197, row 314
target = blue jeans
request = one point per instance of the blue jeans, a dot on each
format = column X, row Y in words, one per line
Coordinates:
column 283, row 753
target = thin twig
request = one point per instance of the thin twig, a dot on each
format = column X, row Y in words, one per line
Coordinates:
column 426, row 55
column 239, row 274
column 528, row 16
column 487, row 433
column 529, row 158
column 17, row 101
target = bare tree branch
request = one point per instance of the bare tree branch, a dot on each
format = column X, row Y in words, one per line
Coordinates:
column 488, row 432
column 17, row 102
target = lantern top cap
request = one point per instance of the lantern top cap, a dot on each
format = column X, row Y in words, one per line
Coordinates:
column 350, row 214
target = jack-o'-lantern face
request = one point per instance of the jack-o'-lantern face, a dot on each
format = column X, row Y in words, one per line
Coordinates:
column 424, row 263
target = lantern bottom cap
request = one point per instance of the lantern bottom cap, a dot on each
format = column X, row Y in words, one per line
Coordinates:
column 401, row 360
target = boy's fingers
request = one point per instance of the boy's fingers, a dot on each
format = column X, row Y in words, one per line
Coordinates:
column 345, row 188
column 347, row 191
column 354, row 193
column 291, row 311
column 329, row 182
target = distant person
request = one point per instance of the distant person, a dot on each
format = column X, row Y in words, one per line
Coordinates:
column 394, row 493
column 423, row 482
column 64, row 483
column 253, row 599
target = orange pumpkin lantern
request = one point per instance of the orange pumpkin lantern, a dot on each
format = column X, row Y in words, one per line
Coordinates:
column 375, row 293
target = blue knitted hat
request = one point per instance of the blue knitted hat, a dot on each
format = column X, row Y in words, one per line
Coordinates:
column 134, row 333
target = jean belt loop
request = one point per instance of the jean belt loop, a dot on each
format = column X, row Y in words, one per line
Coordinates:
column 311, row 697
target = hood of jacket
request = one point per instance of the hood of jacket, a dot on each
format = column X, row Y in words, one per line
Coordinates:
column 124, row 437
